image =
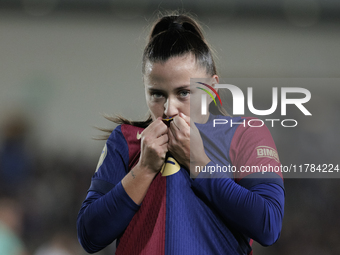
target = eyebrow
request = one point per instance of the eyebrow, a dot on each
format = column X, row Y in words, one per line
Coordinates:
column 151, row 90
column 176, row 89
column 182, row 87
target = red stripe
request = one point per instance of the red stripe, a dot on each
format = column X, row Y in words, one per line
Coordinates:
column 145, row 234
column 130, row 135
column 251, row 245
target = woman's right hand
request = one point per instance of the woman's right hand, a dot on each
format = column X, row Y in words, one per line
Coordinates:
column 154, row 146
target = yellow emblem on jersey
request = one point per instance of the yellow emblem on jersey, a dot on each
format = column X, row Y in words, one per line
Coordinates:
column 170, row 167
column 102, row 157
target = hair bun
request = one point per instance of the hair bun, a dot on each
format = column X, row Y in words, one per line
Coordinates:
column 175, row 26
column 193, row 28
column 176, row 35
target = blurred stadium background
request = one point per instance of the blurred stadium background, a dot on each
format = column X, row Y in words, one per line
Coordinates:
column 66, row 62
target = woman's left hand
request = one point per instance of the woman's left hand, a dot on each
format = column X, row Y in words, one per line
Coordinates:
column 181, row 136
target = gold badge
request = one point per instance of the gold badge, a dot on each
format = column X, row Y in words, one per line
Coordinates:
column 170, row 167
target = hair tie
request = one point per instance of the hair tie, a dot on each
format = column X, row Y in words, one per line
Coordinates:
column 175, row 25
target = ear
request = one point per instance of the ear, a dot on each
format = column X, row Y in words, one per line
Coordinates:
column 214, row 80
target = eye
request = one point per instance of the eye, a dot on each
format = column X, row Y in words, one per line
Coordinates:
column 184, row 93
column 156, row 95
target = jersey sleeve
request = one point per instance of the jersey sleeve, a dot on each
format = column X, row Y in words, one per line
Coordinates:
column 256, row 212
column 251, row 202
column 254, row 154
column 107, row 209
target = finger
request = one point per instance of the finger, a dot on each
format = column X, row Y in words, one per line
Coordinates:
column 162, row 140
column 161, row 128
column 165, row 149
column 171, row 137
column 180, row 128
column 180, row 123
column 186, row 118
column 173, row 131
column 156, row 128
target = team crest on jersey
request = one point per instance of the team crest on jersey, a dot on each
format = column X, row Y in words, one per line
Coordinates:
column 170, row 167
column 267, row 152
column 102, row 157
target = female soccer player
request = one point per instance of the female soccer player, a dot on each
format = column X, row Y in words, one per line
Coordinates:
column 147, row 192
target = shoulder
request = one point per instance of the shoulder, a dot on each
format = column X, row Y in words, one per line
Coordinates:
column 232, row 128
column 119, row 154
column 253, row 150
column 252, row 131
column 126, row 132
column 237, row 129
column 246, row 142
column 252, row 139
column 125, row 138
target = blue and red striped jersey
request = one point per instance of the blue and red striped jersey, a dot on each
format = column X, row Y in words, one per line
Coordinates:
column 220, row 214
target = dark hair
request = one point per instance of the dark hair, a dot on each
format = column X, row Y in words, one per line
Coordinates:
column 172, row 36
column 177, row 35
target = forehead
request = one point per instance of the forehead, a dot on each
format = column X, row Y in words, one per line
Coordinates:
column 175, row 71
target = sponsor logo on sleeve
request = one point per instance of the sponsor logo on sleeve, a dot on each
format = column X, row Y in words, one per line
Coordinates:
column 267, row 152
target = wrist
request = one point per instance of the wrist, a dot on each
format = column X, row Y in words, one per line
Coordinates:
column 145, row 170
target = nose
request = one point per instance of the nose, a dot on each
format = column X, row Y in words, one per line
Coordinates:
column 170, row 107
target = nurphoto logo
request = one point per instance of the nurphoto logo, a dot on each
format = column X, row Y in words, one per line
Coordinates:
column 239, row 103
